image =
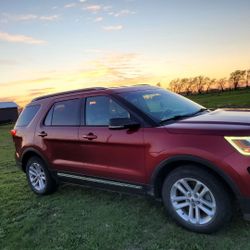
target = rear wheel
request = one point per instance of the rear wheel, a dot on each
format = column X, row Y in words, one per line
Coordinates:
column 196, row 199
column 38, row 176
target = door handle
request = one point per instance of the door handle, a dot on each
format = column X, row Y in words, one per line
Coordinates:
column 89, row 136
column 42, row 134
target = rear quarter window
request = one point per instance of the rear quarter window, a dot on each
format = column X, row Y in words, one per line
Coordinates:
column 27, row 115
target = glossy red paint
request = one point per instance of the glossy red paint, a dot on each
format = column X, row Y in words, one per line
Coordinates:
column 134, row 155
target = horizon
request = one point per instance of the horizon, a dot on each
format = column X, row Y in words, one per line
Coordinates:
column 53, row 46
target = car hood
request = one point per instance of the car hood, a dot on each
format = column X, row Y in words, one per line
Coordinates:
column 218, row 122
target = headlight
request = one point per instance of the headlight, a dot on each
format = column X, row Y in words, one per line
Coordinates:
column 242, row 144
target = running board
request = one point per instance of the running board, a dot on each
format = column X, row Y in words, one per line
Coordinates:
column 104, row 183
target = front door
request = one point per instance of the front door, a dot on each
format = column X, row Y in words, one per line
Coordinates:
column 111, row 154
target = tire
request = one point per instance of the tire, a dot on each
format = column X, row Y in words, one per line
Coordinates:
column 38, row 176
column 204, row 209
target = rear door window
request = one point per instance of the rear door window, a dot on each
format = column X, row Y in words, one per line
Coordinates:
column 65, row 113
column 27, row 115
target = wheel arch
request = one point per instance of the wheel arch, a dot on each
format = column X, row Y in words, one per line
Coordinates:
column 28, row 153
column 168, row 165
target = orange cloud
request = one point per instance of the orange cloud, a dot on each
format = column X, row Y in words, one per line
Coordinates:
column 108, row 70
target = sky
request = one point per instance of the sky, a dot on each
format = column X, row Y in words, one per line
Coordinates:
column 48, row 46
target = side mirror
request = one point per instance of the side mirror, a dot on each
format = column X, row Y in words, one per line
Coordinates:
column 122, row 123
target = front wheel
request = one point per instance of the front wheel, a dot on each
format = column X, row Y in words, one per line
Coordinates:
column 38, row 176
column 196, row 199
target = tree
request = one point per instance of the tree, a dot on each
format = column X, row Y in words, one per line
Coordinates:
column 248, row 78
column 158, row 84
column 221, row 84
column 236, row 77
column 173, row 86
column 176, row 86
column 190, row 86
column 209, row 83
column 200, row 82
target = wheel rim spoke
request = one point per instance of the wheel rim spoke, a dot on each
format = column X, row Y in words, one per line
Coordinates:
column 205, row 210
column 181, row 205
column 197, row 187
column 179, row 198
column 186, row 185
column 197, row 214
column 204, row 191
column 40, row 184
column 32, row 172
column 180, row 188
column 191, row 213
column 207, row 203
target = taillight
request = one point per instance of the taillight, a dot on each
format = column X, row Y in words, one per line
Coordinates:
column 13, row 132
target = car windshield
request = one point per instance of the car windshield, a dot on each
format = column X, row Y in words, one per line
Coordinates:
column 162, row 105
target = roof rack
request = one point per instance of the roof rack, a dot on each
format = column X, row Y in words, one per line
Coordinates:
column 67, row 92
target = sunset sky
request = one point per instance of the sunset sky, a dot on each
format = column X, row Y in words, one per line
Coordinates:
column 54, row 45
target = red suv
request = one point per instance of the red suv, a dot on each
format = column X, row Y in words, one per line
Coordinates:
column 141, row 139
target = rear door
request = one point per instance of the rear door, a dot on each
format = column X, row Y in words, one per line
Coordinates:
column 112, row 154
column 57, row 134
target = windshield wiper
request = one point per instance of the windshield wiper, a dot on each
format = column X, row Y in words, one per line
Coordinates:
column 177, row 117
column 199, row 111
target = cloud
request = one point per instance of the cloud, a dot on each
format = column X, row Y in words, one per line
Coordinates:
column 21, row 17
column 49, row 18
column 40, row 91
column 28, row 17
column 70, row 5
column 122, row 13
column 27, row 81
column 107, row 7
column 113, row 28
column 20, row 39
column 98, row 19
column 93, row 8
column 109, row 68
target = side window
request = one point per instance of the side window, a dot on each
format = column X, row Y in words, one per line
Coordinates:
column 65, row 113
column 100, row 109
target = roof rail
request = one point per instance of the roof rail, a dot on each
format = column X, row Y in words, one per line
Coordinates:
column 134, row 85
column 67, row 92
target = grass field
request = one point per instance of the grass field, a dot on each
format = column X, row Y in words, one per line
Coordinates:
column 231, row 99
column 80, row 218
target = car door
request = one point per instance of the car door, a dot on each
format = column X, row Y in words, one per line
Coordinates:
column 111, row 154
column 57, row 135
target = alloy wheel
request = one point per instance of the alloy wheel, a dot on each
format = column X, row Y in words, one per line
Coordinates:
column 37, row 176
column 193, row 201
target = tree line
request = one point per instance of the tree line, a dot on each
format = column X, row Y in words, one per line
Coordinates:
column 203, row 84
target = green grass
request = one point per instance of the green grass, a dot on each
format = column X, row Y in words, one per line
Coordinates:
column 81, row 218
column 230, row 99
